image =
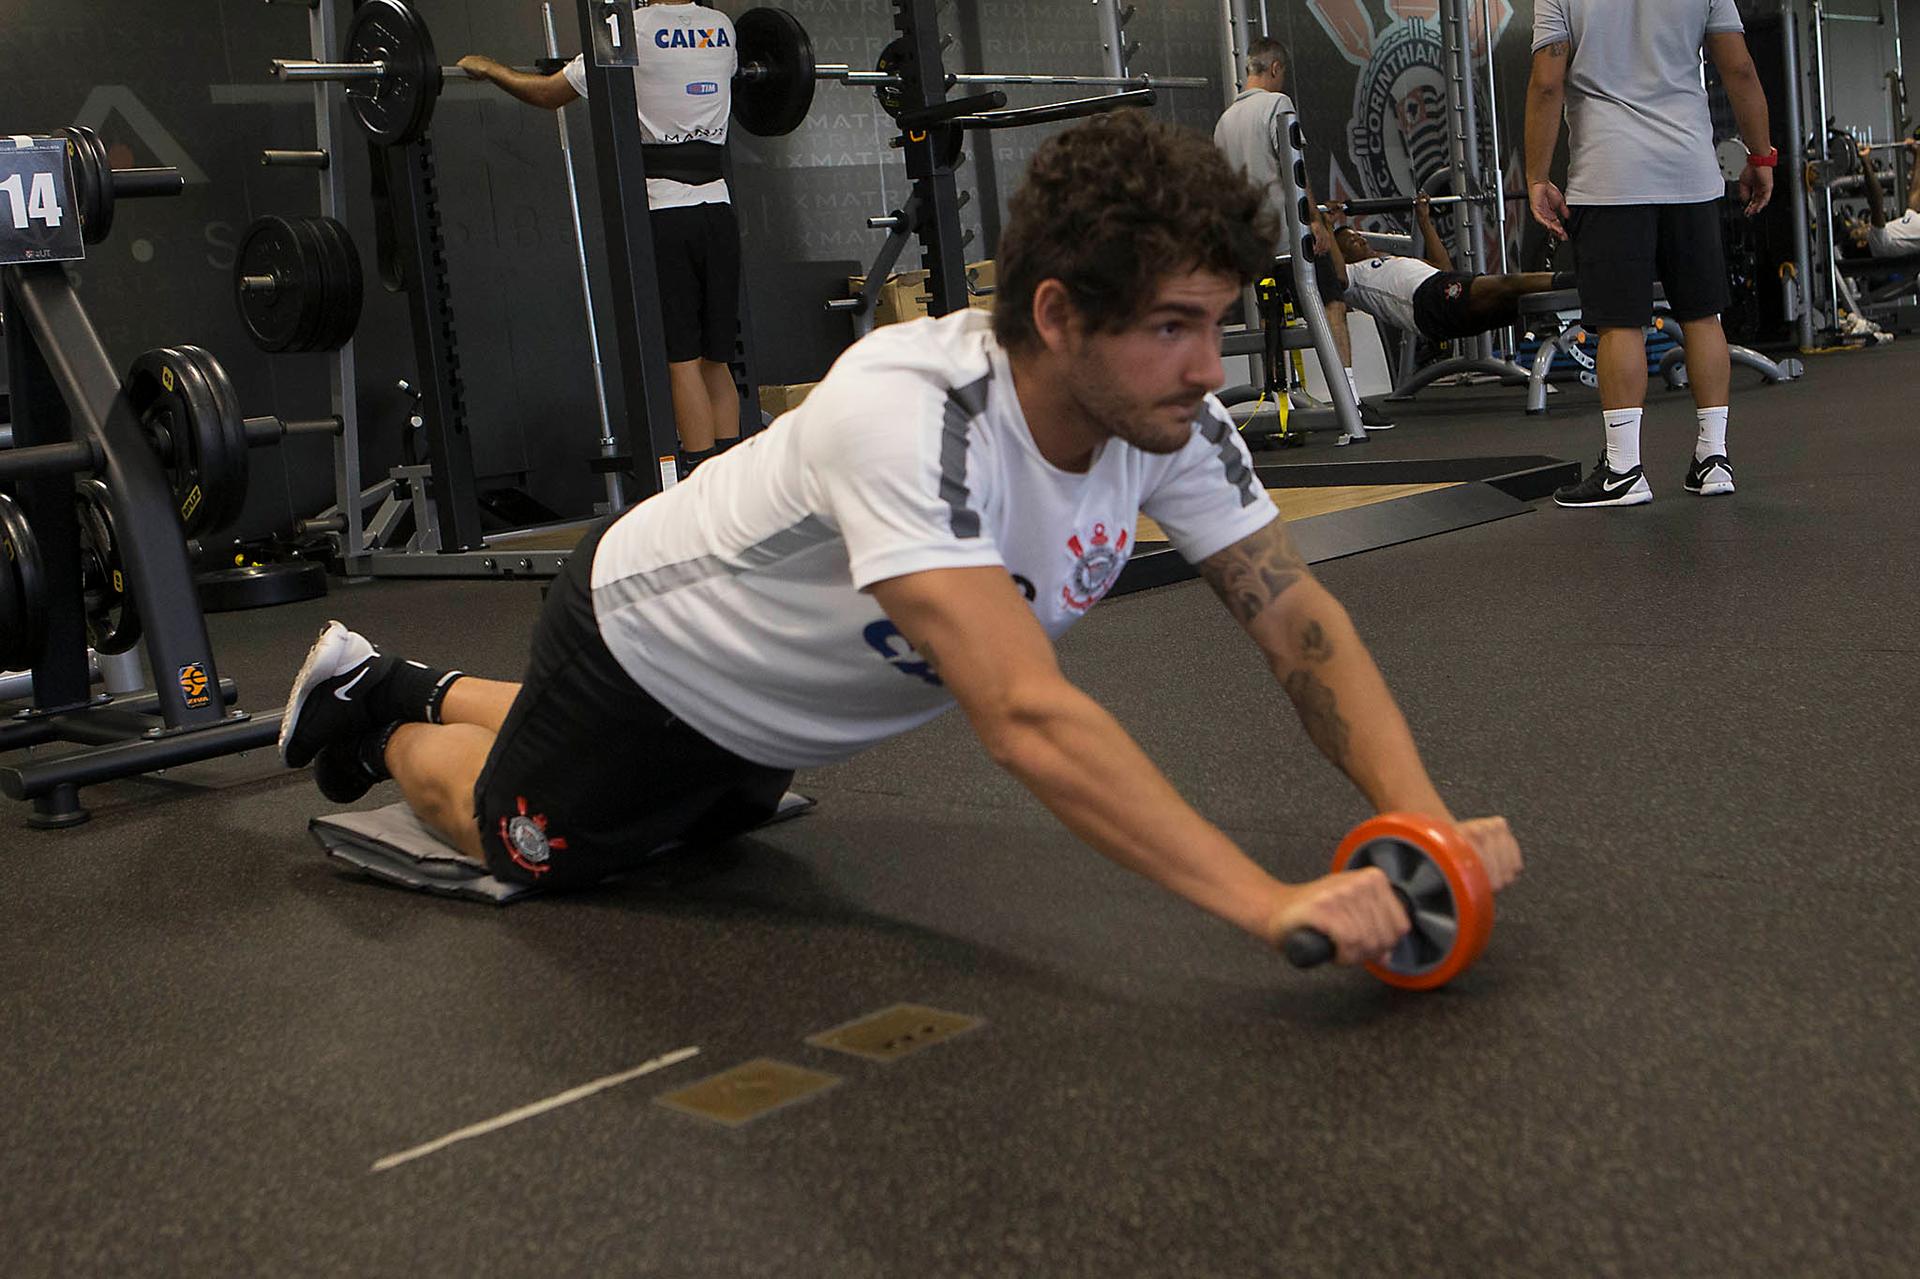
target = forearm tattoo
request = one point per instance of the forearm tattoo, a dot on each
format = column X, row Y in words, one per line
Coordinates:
column 1254, row 572
column 1315, row 647
column 1319, row 714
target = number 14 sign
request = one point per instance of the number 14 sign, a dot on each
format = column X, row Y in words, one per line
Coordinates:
column 37, row 221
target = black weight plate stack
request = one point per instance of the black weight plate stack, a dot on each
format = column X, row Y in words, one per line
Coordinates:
column 231, row 426
column 286, row 317
column 113, row 622
column 778, row 103
column 23, row 601
column 180, row 414
column 346, row 288
column 396, row 108
column 92, row 181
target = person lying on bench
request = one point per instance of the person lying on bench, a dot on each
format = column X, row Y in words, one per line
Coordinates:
column 1426, row 295
column 1900, row 237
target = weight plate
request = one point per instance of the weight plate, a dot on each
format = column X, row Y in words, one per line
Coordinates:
column 92, row 181
column 260, row 585
column 348, row 289
column 1439, row 878
column 777, row 103
column 280, row 318
column 23, row 601
column 395, row 108
column 221, row 438
column 179, row 413
column 893, row 97
column 113, row 620
column 232, row 495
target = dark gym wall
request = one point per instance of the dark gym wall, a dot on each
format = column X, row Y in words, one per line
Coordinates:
column 193, row 91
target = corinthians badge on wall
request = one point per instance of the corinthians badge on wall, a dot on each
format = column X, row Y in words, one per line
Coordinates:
column 1397, row 133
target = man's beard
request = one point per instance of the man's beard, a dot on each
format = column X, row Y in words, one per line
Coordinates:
column 1142, row 425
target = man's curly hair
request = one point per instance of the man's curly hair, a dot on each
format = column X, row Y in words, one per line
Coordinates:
column 1114, row 206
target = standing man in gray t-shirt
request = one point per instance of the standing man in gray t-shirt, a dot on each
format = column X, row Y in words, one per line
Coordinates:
column 1643, row 201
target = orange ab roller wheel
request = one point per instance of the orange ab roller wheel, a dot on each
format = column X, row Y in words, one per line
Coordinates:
column 1440, row 882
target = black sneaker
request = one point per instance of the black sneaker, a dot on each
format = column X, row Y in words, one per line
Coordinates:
column 1603, row 487
column 1710, row 476
column 341, row 769
column 328, row 701
column 1374, row 419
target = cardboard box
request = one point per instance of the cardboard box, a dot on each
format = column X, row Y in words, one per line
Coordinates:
column 981, row 275
column 902, row 297
column 784, row 399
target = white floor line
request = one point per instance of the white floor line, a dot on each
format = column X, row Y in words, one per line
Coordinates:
column 554, row 1102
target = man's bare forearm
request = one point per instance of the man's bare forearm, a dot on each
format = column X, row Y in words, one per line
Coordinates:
column 1437, row 255
column 1317, row 657
column 548, row 92
column 1544, row 104
column 1749, row 102
column 1079, row 762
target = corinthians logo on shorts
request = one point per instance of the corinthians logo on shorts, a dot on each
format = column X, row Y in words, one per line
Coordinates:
column 528, row 843
column 1096, row 563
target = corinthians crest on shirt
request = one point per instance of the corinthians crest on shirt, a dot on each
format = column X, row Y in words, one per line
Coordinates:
column 1097, row 562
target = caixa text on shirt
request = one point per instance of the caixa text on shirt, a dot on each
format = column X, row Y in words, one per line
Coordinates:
column 692, row 38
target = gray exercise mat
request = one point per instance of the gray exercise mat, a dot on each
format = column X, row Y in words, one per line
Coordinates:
column 393, row 845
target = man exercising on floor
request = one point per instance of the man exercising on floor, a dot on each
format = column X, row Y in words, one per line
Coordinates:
column 684, row 85
column 1425, row 294
column 955, row 494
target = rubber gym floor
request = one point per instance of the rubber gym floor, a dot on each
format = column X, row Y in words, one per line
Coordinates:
column 1691, row 1048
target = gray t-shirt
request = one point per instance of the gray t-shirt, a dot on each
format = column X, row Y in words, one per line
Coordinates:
column 1248, row 135
column 1639, row 130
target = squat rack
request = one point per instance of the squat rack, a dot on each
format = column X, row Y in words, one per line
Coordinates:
column 1818, row 16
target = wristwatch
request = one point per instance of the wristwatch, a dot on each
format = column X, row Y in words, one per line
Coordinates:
column 1767, row 161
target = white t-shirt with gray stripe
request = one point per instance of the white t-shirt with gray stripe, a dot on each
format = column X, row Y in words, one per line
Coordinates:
column 1638, row 127
column 737, row 599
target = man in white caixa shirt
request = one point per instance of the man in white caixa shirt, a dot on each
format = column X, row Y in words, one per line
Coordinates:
column 955, row 494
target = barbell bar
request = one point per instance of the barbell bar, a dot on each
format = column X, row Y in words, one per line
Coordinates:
column 296, row 69
column 290, row 69
column 1404, row 203
column 844, row 74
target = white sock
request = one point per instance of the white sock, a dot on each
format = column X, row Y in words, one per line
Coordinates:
column 1353, row 386
column 1713, row 433
column 1623, row 439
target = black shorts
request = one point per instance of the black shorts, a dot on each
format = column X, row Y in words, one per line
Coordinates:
column 590, row 775
column 697, row 253
column 1621, row 249
column 1440, row 307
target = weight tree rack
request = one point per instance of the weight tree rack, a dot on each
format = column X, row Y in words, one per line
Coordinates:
column 74, row 415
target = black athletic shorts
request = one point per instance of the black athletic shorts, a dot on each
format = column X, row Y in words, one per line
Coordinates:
column 590, row 775
column 697, row 253
column 1621, row 249
column 1440, row 309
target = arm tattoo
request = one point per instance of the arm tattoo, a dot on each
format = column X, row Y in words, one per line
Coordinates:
column 1319, row 715
column 1255, row 571
column 1315, row 647
column 1558, row 49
